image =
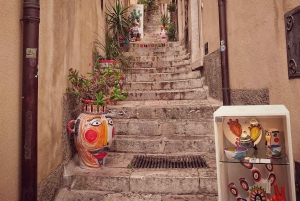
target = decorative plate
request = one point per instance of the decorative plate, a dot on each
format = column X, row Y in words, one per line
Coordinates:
column 233, row 127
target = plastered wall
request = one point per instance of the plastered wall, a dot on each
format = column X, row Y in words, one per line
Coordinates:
column 210, row 24
column 67, row 30
column 257, row 54
column 10, row 101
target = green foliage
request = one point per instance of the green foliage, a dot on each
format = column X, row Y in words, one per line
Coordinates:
column 149, row 7
column 110, row 50
column 104, row 85
column 116, row 19
column 171, row 7
column 164, row 20
column 171, row 32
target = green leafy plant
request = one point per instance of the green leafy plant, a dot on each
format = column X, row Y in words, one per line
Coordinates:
column 102, row 86
column 149, row 7
column 171, row 7
column 164, row 20
column 117, row 20
column 109, row 49
column 171, row 32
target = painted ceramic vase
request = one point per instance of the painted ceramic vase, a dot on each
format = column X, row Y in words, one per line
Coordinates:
column 93, row 134
column 272, row 141
column 163, row 34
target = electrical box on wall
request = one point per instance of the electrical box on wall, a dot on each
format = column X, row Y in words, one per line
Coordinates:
column 254, row 153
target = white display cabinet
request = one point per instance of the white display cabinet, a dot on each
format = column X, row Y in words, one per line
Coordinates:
column 253, row 177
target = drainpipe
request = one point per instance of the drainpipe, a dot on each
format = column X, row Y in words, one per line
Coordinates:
column 224, row 52
column 31, row 20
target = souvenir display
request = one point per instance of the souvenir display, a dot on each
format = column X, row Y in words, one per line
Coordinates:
column 248, row 168
column 239, row 131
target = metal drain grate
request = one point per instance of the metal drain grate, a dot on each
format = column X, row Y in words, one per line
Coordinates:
column 143, row 161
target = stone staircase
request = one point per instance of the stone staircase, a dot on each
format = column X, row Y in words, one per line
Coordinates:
column 167, row 113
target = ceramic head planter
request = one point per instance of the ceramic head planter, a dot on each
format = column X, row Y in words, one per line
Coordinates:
column 93, row 134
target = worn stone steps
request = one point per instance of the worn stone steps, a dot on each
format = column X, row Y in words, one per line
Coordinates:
column 66, row 194
column 114, row 181
column 181, row 94
column 164, row 109
column 164, row 85
column 158, row 64
column 158, row 127
column 161, row 58
column 158, row 53
column 163, row 144
column 154, row 46
column 173, row 69
column 151, row 77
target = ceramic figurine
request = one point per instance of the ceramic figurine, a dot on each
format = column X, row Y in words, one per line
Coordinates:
column 93, row 133
column 272, row 141
column 246, row 141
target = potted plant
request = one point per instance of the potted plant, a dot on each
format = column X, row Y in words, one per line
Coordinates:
column 171, row 32
column 171, row 7
column 93, row 129
column 108, row 53
column 117, row 20
column 164, row 19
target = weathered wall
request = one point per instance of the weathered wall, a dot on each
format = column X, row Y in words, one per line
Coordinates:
column 11, row 92
column 212, row 63
column 195, row 34
column 257, row 54
column 67, row 30
column 210, row 24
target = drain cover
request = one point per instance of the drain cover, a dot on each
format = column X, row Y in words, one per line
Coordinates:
column 143, row 161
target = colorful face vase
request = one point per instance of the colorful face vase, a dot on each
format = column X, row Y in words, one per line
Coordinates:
column 93, row 135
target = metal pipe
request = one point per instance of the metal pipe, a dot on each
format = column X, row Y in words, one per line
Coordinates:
column 31, row 20
column 224, row 52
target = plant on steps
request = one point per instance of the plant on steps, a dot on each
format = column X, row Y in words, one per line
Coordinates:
column 164, row 20
column 117, row 20
column 171, row 32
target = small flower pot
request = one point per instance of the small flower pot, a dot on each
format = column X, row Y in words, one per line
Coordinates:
column 110, row 63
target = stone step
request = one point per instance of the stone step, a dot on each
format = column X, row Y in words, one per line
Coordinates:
column 151, row 77
column 193, row 110
column 156, row 64
column 164, row 85
column 66, row 194
column 114, row 177
column 158, row 127
column 173, row 69
column 161, row 58
column 158, row 52
column 185, row 94
column 155, row 46
column 163, row 144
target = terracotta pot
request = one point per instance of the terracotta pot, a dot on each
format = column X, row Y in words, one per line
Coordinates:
column 110, row 63
column 93, row 134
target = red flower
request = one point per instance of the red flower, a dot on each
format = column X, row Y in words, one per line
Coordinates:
column 90, row 63
column 122, row 77
column 71, row 71
column 107, row 101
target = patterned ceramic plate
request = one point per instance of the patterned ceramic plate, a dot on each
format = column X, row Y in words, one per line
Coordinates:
column 233, row 127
